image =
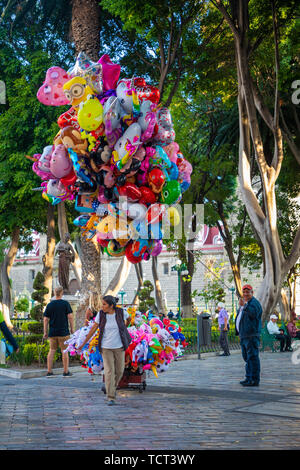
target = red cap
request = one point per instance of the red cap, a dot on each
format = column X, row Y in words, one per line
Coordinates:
column 247, row 286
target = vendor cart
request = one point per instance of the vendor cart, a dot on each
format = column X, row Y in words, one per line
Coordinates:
column 130, row 380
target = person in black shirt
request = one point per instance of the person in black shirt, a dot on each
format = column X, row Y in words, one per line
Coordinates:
column 57, row 316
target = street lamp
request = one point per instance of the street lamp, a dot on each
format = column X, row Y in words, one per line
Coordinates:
column 232, row 290
column 181, row 269
column 122, row 293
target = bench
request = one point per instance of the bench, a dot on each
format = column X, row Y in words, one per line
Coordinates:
column 268, row 340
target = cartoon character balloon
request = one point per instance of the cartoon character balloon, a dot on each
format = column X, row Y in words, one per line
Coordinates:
column 127, row 145
column 60, row 163
column 115, row 154
column 77, row 90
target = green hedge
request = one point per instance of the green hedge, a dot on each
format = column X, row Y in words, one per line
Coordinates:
column 188, row 323
column 31, row 352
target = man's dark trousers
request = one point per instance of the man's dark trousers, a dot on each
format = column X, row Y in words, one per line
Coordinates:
column 284, row 340
column 250, row 353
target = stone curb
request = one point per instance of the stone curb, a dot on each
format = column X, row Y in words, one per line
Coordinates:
column 206, row 355
column 30, row 374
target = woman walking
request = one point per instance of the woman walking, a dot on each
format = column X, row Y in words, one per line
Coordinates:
column 114, row 339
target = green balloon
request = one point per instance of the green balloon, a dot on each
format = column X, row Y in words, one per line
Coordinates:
column 171, row 192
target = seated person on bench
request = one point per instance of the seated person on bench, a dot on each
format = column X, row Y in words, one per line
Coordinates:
column 285, row 340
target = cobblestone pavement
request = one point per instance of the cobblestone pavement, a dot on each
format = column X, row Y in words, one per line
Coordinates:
column 195, row 405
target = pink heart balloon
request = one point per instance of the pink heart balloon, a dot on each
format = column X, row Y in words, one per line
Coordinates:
column 51, row 92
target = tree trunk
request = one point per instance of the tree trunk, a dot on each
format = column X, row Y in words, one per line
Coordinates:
column 139, row 275
column 119, row 279
column 157, row 286
column 250, row 103
column 48, row 257
column 86, row 36
column 284, row 306
column 63, row 229
column 227, row 238
column 186, row 288
column 5, row 270
column 293, row 303
column 86, row 27
column 91, row 276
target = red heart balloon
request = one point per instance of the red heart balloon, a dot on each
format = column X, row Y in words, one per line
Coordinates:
column 129, row 190
column 148, row 92
column 69, row 118
column 148, row 196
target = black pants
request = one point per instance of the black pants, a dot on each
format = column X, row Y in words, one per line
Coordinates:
column 285, row 341
column 224, row 340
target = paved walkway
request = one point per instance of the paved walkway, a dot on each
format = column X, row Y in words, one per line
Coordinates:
column 197, row 404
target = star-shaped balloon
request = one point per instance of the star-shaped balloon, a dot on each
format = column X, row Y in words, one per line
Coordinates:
column 81, row 64
column 91, row 71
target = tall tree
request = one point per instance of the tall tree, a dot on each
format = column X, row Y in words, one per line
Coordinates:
column 24, row 129
column 81, row 19
column 254, row 113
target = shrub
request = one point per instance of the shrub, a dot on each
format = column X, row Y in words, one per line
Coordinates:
column 32, row 352
column 22, row 305
column 29, row 353
column 35, row 327
column 36, row 312
column 34, row 338
column 146, row 301
column 189, row 322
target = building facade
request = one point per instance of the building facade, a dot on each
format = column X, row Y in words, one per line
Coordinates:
column 210, row 243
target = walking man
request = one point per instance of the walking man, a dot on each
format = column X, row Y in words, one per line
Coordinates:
column 57, row 316
column 248, row 327
column 223, row 321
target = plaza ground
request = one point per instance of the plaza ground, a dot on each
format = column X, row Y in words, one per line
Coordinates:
column 195, row 405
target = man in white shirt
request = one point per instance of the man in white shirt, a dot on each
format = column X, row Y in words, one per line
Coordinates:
column 285, row 340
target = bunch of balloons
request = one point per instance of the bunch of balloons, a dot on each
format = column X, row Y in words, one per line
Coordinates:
column 115, row 155
column 155, row 344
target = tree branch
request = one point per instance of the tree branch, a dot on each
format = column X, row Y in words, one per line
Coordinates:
column 220, row 6
column 294, row 255
column 288, row 137
column 277, row 64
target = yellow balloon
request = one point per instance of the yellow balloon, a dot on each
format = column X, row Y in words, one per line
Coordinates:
column 90, row 114
column 76, row 90
column 174, row 216
column 153, row 368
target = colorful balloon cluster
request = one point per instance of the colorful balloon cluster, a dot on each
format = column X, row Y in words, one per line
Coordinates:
column 155, row 344
column 115, row 155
